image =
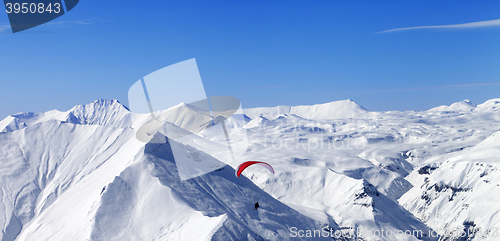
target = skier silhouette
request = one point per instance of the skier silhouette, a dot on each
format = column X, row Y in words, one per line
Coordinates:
column 256, row 206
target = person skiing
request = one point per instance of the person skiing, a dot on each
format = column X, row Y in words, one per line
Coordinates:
column 256, row 206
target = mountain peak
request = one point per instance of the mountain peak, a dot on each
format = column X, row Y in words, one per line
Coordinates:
column 349, row 103
column 101, row 112
column 333, row 110
column 108, row 103
column 468, row 102
column 462, row 106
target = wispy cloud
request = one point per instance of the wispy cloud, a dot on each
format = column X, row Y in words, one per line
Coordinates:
column 431, row 87
column 4, row 28
column 70, row 22
column 267, row 87
column 470, row 84
column 411, row 89
column 480, row 24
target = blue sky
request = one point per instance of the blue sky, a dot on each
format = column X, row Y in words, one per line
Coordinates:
column 265, row 53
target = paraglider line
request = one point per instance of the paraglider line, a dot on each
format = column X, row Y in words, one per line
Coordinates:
column 227, row 139
column 147, row 98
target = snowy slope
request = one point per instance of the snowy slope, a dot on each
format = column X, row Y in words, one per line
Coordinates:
column 460, row 190
column 147, row 201
column 41, row 163
column 348, row 201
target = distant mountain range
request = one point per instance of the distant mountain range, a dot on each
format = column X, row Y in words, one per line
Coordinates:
column 82, row 175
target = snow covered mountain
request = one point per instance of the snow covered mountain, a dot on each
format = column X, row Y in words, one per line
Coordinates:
column 333, row 110
column 465, row 105
column 82, row 175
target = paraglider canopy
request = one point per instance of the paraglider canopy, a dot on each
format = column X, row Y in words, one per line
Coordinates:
column 246, row 164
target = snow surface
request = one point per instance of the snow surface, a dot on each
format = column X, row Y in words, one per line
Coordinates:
column 82, row 174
